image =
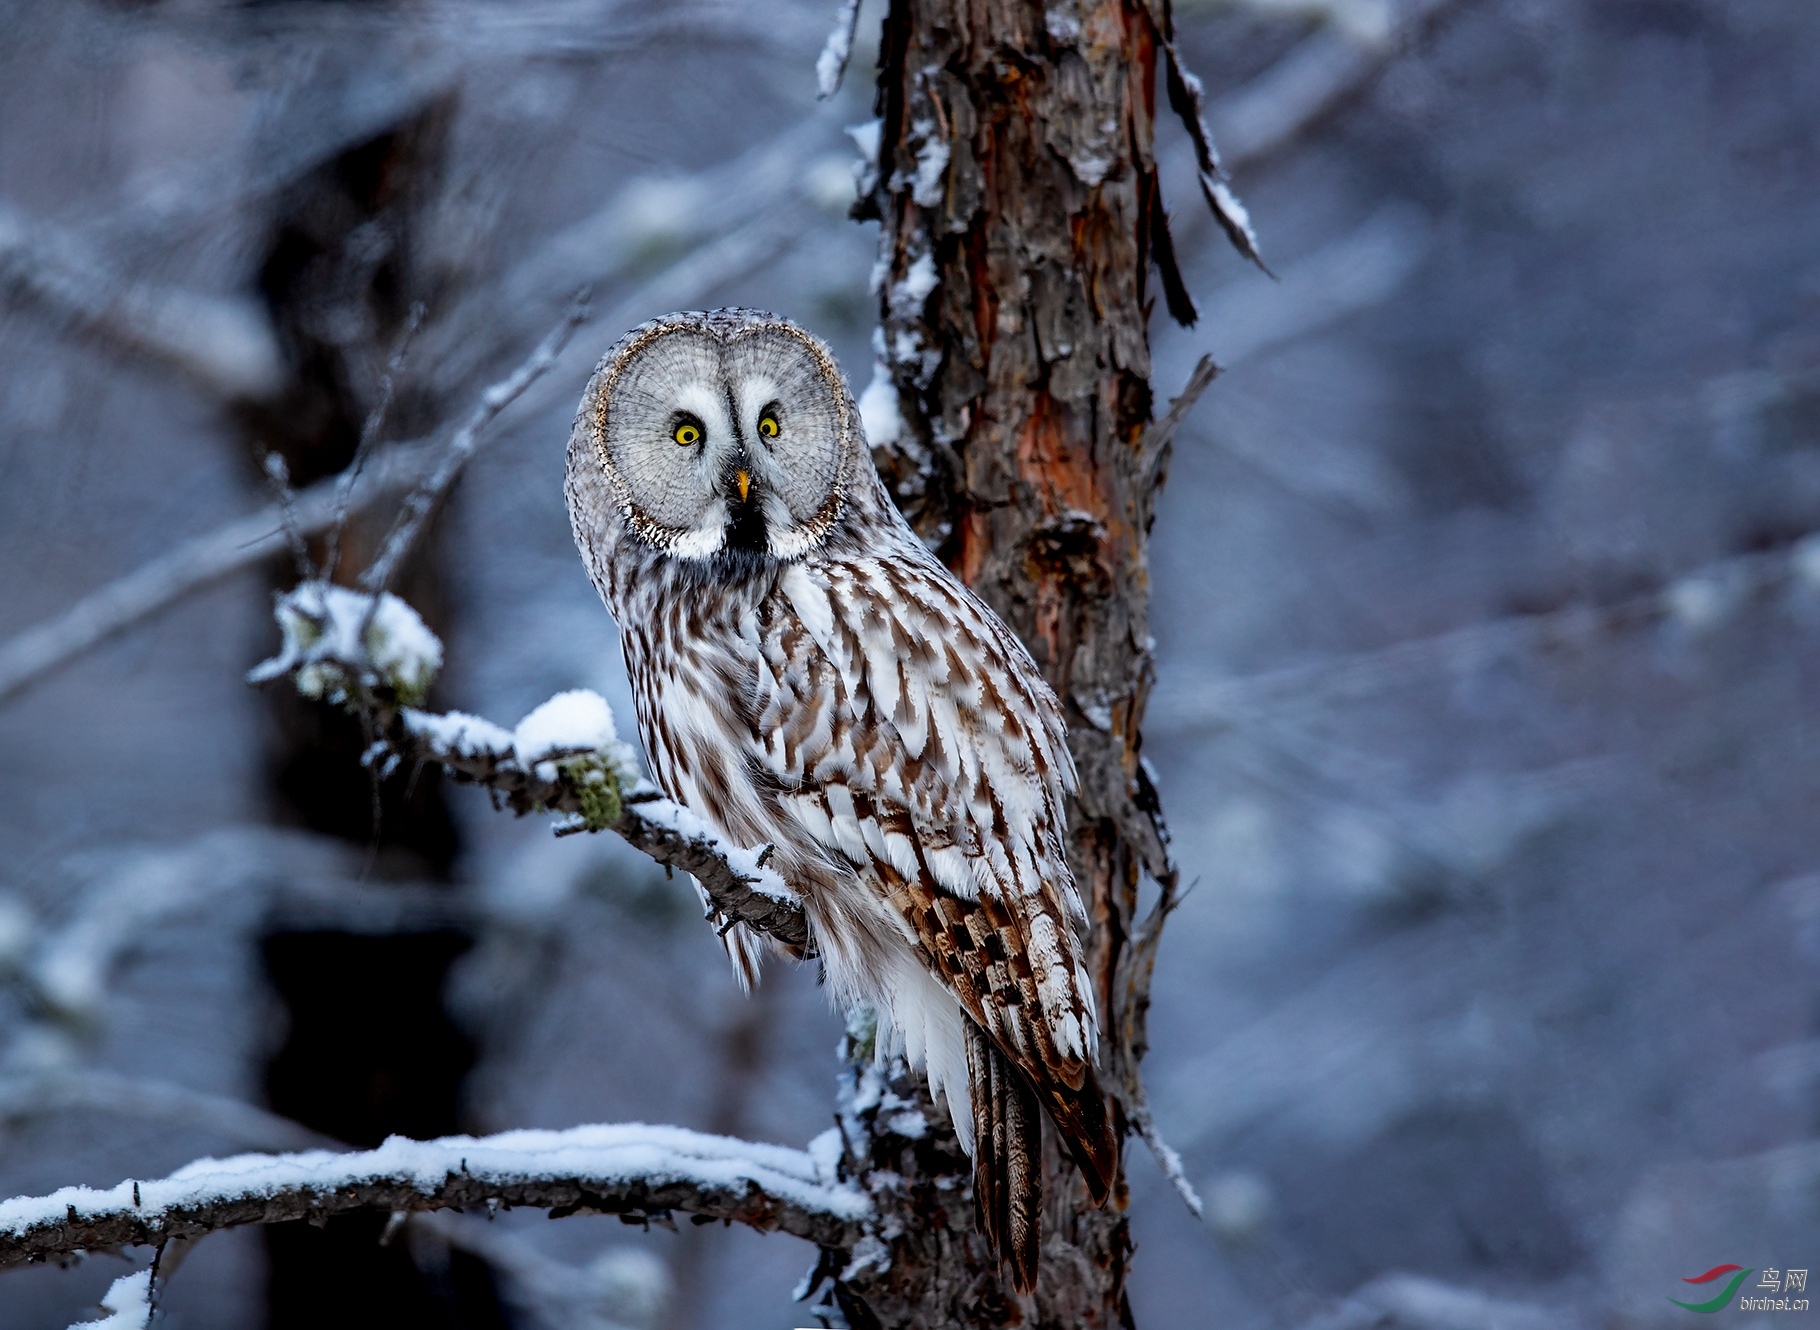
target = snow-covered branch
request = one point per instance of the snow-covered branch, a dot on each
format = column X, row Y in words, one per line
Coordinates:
column 831, row 64
column 565, row 775
column 639, row 1172
column 376, row 656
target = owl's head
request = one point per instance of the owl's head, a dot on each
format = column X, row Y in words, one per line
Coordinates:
column 730, row 430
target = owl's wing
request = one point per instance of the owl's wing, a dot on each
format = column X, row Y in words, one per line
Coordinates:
column 911, row 736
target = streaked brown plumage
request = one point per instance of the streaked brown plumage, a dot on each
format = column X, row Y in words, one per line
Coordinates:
column 809, row 676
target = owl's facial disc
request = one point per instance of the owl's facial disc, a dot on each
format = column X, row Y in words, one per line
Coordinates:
column 719, row 434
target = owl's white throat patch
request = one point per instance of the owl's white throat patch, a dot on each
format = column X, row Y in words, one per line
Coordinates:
column 700, row 543
column 694, row 543
column 792, row 542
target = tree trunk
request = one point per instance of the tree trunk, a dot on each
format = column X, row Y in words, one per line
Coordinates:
column 1017, row 194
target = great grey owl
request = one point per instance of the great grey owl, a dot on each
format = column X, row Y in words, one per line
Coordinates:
column 808, row 676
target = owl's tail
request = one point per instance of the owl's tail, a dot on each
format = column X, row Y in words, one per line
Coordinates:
column 1007, row 1158
column 1008, row 1150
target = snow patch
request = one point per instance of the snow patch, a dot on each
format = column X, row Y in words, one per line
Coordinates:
column 1232, row 211
column 918, row 282
column 931, row 166
column 869, row 1254
column 909, row 1123
column 1090, row 171
column 578, row 721
column 865, row 137
column 570, row 724
column 826, row 1150
column 878, row 409
column 129, row 1299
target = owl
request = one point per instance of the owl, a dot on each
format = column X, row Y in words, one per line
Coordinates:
column 808, row 676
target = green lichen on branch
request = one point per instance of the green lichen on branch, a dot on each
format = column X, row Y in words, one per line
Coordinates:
column 595, row 779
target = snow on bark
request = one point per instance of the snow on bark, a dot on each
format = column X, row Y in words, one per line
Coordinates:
column 637, row 1171
column 748, row 864
column 879, row 411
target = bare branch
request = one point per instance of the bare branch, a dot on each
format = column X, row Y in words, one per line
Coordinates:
column 1699, row 599
column 691, row 281
column 640, row 1173
column 54, row 1093
column 1320, row 72
column 462, row 446
column 369, row 436
column 781, row 181
column 207, row 559
column 224, row 344
column 195, row 564
column 1162, row 431
column 278, row 476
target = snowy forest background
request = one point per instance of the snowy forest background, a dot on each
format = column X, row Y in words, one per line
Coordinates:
column 1487, row 598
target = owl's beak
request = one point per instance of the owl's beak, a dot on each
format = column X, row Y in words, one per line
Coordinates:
column 744, row 480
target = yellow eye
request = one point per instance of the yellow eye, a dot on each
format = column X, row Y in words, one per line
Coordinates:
column 687, row 435
column 768, row 427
